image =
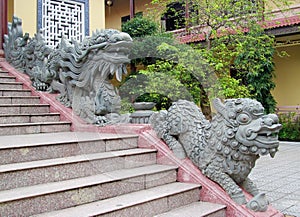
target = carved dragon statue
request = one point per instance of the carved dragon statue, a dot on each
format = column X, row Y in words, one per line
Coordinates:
column 14, row 43
column 225, row 149
column 80, row 72
column 86, row 72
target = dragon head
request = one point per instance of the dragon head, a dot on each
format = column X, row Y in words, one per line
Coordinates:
column 256, row 132
column 108, row 50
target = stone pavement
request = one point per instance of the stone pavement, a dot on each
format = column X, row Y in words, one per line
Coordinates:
column 279, row 178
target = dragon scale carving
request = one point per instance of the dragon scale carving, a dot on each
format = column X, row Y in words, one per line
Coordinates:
column 225, row 149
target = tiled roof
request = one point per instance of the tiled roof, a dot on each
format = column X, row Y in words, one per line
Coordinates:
column 281, row 22
column 272, row 24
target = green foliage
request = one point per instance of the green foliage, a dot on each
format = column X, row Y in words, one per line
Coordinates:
column 254, row 65
column 290, row 127
column 163, row 83
column 244, row 65
column 220, row 58
column 232, row 88
column 126, row 106
column 144, row 50
column 139, row 27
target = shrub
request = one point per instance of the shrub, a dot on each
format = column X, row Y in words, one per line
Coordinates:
column 290, row 127
column 139, row 27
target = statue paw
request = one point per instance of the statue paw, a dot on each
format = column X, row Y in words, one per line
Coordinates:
column 259, row 203
column 101, row 121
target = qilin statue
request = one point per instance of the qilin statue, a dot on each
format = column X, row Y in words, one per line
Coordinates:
column 225, row 149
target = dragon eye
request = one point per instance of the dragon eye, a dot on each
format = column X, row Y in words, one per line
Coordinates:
column 243, row 118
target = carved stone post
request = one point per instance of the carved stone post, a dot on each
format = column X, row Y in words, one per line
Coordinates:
column 3, row 21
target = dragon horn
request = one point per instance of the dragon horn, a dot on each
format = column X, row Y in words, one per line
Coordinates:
column 219, row 106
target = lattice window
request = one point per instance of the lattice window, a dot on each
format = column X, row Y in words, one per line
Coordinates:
column 62, row 18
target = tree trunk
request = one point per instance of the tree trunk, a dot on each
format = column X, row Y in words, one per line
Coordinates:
column 204, row 103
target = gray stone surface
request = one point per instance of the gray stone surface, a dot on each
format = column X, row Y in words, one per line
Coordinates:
column 7, row 78
column 279, row 178
column 19, row 100
column 197, row 209
column 226, row 148
column 142, row 203
column 34, row 147
column 10, row 92
column 59, row 195
column 38, row 127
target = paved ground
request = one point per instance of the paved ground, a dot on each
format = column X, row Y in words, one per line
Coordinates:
column 279, row 178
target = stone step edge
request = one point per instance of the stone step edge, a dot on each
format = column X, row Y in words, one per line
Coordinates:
column 75, row 138
column 11, row 82
column 71, row 184
column 24, row 105
column 195, row 209
column 20, row 90
column 73, row 159
column 20, row 97
column 123, row 201
column 32, row 114
column 36, row 123
column 6, row 75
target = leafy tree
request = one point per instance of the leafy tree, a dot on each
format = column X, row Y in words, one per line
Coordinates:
column 244, row 65
column 242, row 62
column 254, row 65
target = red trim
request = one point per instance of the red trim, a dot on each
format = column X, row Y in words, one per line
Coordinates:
column 132, row 9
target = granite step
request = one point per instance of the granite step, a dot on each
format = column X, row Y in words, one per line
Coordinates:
column 145, row 203
column 7, row 78
column 11, row 85
column 38, row 127
column 197, row 209
column 59, row 169
column 47, row 197
column 19, row 100
column 33, row 147
column 29, row 118
column 15, row 92
column 3, row 72
column 24, row 108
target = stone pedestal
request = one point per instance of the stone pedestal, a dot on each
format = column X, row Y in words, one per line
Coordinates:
column 141, row 117
column 142, row 113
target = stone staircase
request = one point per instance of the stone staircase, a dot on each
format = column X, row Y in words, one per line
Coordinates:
column 48, row 170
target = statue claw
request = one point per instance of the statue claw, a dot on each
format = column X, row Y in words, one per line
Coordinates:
column 259, row 203
column 101, row 120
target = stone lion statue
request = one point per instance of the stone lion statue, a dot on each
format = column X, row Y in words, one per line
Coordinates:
column 225, row 149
